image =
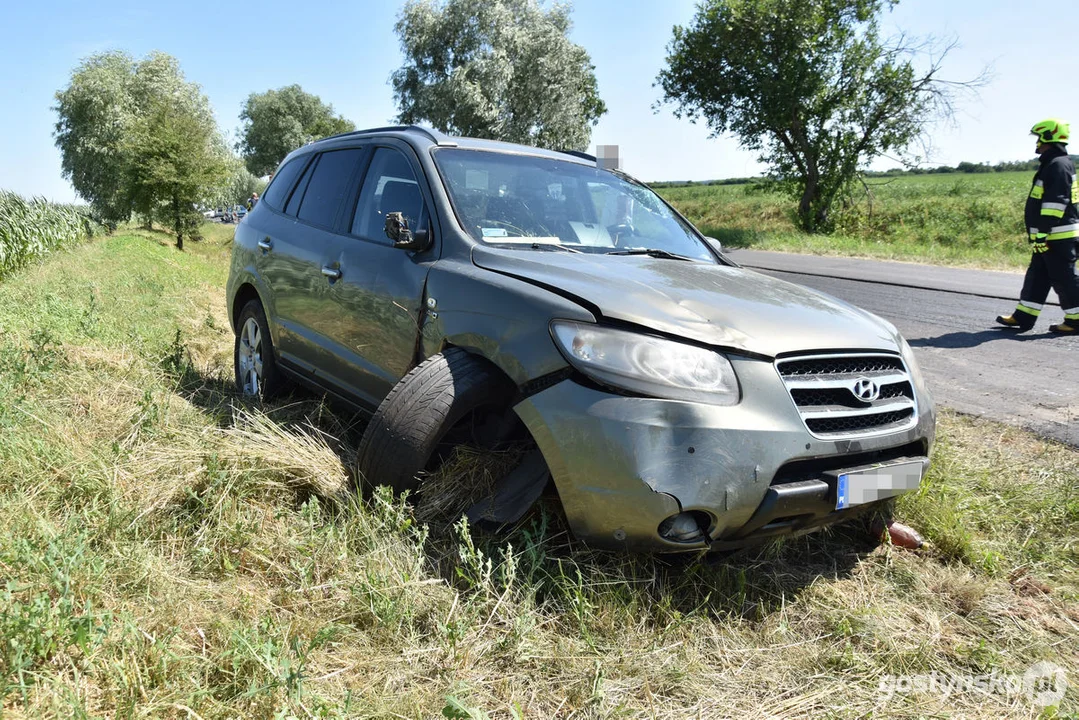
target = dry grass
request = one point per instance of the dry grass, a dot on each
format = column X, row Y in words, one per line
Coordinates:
column 466, row 477
column 168, row 551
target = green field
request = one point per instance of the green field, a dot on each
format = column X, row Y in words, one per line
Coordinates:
column 168, row 551
column 955, row 218
column 29, row 229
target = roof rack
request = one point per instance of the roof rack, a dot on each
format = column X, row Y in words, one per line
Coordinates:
column 578, row 153
column 435, row 135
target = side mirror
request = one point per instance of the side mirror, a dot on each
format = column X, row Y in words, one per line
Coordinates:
column 403, row 238
column 715, row 244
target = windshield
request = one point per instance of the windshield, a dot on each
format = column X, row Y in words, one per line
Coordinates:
column 523, row 200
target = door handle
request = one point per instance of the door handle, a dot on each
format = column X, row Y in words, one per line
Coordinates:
column 266, row 244
column 331, row 272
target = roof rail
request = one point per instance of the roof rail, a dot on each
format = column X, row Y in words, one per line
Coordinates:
column 435, row 135
column 578, row 153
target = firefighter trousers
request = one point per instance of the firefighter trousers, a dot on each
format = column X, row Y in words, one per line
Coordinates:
column 1053, row 268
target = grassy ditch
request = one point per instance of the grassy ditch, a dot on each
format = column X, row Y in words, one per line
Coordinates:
column 965, row 219
column 31, row 228
column 167, row 551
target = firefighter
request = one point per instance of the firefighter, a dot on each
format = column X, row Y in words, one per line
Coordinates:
column 1052, row 220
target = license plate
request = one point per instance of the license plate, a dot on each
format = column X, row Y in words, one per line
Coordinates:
column 869, row 484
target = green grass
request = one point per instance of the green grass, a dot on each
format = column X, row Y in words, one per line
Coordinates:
column 956, row 219
column 31, row 228
column 168, row 551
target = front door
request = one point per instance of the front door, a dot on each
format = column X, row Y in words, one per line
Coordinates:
column 373, row 319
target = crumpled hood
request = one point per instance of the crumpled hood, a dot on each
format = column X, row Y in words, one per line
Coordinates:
column 712, row 304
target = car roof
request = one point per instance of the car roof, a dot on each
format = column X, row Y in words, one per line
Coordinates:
column 420, row 136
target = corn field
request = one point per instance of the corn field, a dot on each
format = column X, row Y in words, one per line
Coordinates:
column 31, row 228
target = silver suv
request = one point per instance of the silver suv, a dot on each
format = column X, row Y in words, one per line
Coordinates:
column 476, row 292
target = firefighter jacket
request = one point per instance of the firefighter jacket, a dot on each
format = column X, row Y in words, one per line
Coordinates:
column 1052, row 210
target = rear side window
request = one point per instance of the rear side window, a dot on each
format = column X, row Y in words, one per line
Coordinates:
column 297, row 195
column 390, row 186
column 328, row 186
column 282, row 182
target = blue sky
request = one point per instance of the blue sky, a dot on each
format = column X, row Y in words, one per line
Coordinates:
column 345, row 52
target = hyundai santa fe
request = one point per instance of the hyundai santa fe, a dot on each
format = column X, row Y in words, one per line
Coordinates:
column 464, row 291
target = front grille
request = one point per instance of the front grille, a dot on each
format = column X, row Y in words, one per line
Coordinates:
column 841, row 365
column 850, row 395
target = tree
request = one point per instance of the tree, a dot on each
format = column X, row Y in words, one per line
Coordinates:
column 137, row 137
column 277, row 122
column 94, row 113
column 238, row 187
column 809, row 84
column 498, row 69
column 177, row 161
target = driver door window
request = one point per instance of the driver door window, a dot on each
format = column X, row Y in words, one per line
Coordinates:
column 390, row 186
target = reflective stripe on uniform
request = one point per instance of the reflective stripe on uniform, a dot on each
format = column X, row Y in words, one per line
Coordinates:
column 1028, row 311
column 1063, row 232
column 1054, row 209
column 1071, row 311
column 1073, row 316
column 1036, row 191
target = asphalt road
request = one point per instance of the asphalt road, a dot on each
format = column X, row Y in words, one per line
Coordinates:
column 1030, row 379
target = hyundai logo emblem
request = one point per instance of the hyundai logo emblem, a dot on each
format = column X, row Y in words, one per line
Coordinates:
column 865, row 390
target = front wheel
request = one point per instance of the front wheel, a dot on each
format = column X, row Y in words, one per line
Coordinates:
column 451, row 399
column 257, row 374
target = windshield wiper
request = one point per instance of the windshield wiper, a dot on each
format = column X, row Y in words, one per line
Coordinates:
column 555, row 246
column 651, row 252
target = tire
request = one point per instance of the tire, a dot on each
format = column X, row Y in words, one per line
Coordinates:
column 426, row 412
column 257, row 374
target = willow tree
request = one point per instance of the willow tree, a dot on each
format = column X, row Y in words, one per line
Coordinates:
column 277, row 122
column 809, row 84
column 136, row 136
column 497, row 69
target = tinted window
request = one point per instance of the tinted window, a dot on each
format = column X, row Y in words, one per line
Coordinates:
column 390, row 186
column 328, row 186
column 297, row 194
column 282, row 182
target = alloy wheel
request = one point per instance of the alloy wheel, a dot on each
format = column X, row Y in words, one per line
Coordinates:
column 249, row 356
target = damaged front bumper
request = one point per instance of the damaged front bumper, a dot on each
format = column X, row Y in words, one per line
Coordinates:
column 632, row 472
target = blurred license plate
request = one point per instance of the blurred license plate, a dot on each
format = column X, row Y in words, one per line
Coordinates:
column 869, row 484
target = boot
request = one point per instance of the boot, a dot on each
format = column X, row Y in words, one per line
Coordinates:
column 1068, row 327
column 1021, row 322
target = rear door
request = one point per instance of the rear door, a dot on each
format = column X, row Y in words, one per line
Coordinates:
column 294, row 254
column 373, row 320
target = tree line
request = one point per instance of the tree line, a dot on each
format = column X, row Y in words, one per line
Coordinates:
column 137, row 139
column 811, row 86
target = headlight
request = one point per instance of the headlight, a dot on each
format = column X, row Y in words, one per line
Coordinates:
column 648, row 365
column 912, row 363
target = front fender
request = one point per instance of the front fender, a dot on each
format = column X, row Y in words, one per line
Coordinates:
column 498, row 317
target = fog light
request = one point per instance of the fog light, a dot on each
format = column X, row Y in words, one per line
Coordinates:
column 684, row 527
